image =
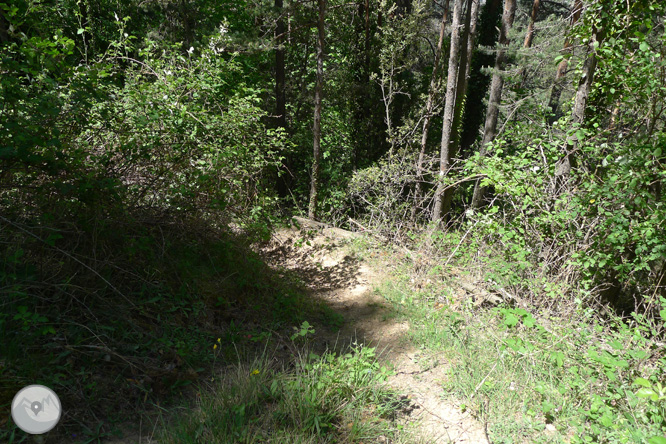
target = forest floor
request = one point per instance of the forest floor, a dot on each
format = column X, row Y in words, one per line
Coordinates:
column 464, row 367
column 322, row 258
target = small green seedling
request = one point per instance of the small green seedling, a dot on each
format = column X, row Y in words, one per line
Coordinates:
column 305, row 330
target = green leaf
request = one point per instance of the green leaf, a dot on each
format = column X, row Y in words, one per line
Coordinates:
column 510, row 320
column 657, row 440
column 642, row 382
column 80, row 31
column 638, row 354
column 647, row 393
column 644, row 47
column 53, row 238
column 606, row 420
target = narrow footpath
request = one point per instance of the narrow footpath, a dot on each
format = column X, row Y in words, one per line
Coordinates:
column 321, row 258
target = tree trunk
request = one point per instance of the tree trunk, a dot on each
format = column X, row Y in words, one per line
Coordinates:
column 478, row 83
column 84, row 24
column 316, row 130
column 280, row 97
column 471, row 40
column 556, row 91
column 529, row 38
column 4, row 27
column 568, row 162
column 365, row 96
column 496, row 86
column 430, row 104
column 461, row 89
column 187, row 17
column 449, row 107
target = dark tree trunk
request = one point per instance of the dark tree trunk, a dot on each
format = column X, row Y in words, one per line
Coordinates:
column 556, row 91
column 471, row 40
column 449, row 108
column 280, row 98
column 479, row 81
column 4, row 26
column 187, row 18
column 365, row 95
column 496, row 86
column 316, row 130
column 283, row 184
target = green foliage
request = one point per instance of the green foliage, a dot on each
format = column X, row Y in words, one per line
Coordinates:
column 546, row 379
column 324, row 398
column 606, row 224
column 120, row 173
column 380, row 194
column 305, row 330
column 134, row 135
column 170, row 294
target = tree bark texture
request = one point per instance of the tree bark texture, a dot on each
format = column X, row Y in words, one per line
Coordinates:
column 529, row 37
column 467, row 46
column 471, row 39
column 449, row 107
column 496, row 86
column 316, row 130
column 280, row 96
column 280, row 99
column 475, row 109
column 430, row 104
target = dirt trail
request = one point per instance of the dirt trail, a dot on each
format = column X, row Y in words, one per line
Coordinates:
column 318, row 256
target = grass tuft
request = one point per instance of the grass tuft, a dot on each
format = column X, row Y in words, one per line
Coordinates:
column 321, row 398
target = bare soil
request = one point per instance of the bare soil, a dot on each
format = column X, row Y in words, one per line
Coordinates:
column 321, row 258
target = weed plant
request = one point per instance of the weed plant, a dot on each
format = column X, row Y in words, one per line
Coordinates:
column 319, row 399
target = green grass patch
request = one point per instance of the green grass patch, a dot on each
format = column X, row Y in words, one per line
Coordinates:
column 544, row 379
column 123, row 315
column 320, row 399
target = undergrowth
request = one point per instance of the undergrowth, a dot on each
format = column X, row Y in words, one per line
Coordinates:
column 316, row 399
column 527, row 372
column 118, row 315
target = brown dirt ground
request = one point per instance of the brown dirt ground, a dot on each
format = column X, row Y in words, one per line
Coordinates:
column 320, row 258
